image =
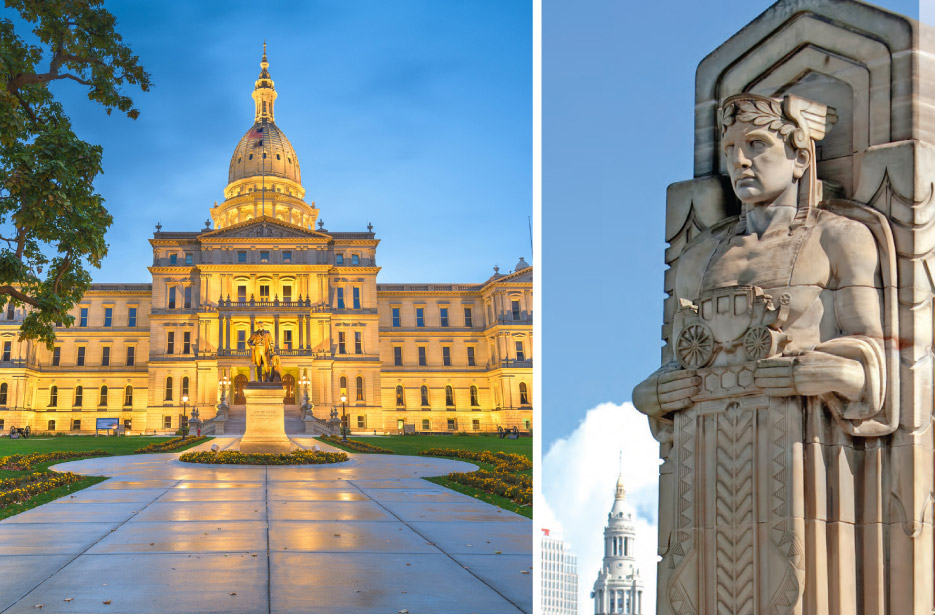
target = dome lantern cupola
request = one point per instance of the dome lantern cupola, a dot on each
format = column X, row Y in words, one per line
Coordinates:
column 264, row 93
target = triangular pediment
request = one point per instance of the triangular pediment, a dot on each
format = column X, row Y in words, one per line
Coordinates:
column 264, row 226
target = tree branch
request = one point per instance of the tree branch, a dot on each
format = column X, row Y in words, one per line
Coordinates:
column 61, row 271
column 16, row 294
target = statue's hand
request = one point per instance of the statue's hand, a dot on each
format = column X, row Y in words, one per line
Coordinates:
column 666, row 391
column 811, row 373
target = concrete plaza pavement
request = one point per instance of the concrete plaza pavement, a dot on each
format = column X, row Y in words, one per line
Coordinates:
column 365, row 536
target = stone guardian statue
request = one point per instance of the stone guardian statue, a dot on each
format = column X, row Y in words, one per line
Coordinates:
column 784, row 367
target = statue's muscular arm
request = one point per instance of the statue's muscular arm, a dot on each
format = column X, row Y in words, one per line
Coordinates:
column 834, row 366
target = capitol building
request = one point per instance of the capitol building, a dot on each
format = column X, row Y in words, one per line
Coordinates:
column 421, row 357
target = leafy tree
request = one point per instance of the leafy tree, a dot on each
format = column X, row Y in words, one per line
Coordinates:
column 52, row 223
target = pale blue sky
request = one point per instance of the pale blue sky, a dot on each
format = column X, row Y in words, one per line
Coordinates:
column 415, row 115
column 617, row 106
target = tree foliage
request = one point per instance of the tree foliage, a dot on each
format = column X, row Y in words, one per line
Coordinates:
column 52, row 222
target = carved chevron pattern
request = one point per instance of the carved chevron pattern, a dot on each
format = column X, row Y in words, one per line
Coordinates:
column 782, row 534
column 734, row 512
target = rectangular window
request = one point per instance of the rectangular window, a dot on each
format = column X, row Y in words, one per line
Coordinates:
column 131, row 319
column 56, row 356
column 131, row 356
column 172, row 298
column 420, row 317
column 105, row 356
column 397, row 355
column 167, row 422
column 170, row 342
column 79, row 396
column 264, row 256
column 358, row 343
column 422, row 355
column 287, row 339
column 452, row 424
column 188, row 297
column 287, row 256
column 338, row 259
column 173, row 259
column 356, row 291
column 264, row 292
column 470, row 351
column 287, row 294
column 241, row 257
column 361, row 422
column 188, row 259
column 340, row 292
column 341, row 345
column 443, row 313
column 241, row 340
column 83, row 319
column 515, row 307
column 187, row 342
column 76, row 424
column 79, row 361
column 426, row 425
column 9, row 311
column 7, row 350
column 108, row 316
column 396, row 317
column 520, row 355
column 468, row 317
column 446, row 356
column 475, row 424
column 241, row 293
column 355, row 259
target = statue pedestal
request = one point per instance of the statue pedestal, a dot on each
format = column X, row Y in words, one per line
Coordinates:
column 265, row 431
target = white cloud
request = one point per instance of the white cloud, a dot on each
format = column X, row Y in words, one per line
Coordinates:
column 579, row 474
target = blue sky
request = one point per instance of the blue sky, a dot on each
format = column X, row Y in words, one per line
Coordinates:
column 617, row 128
column 414, row 115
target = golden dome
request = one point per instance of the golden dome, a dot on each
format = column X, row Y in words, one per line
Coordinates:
column 264, row 150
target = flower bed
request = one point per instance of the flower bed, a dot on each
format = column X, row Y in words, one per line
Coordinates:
column 21, row 488
column 24, row 462
column 505, row 480
column 510, row 462
column 170, row 445
column 297, row 457
column 363, row 447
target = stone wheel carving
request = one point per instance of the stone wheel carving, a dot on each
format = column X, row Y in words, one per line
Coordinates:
column 758, row 343
column 695, row 346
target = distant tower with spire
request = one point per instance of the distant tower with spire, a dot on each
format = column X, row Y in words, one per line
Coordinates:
column 619, row 588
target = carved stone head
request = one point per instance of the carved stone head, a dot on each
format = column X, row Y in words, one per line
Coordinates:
column 770, row 145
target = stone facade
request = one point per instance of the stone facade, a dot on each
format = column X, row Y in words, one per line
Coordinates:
column 422, row 357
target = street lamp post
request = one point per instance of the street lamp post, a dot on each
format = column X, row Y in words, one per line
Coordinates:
column 344, row 417
column 184, row 415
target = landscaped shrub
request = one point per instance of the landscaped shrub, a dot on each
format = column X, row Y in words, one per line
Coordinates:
column 297, row 457
column 511, row 462
column 170, row 445
column 362, row 447
column 505, row 480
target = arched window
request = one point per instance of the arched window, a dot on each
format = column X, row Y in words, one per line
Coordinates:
column 360, row 388
column 128, row 396
column 103, row 395
column 185, row 386
column 168, row 396
column 474, row 401
column 343, row 385
column 523, row 393
column 449, row 396
column 53, row 397
column 3, row 391
column 399, row 395
column 52, row 425
column 79, row 396
column 425, row 395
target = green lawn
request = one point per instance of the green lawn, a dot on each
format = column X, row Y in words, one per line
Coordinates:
column 412, row 445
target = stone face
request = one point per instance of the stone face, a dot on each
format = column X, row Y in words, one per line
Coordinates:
column 794, row 404
column 266, row 431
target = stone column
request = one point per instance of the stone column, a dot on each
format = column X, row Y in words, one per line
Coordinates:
column 299, row 341
column 252, row 323
column 276, row 330
column 220, row 331
column 227, row 333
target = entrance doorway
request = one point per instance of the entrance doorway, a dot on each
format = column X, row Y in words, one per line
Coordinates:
column 240, row 381
column 288, row 383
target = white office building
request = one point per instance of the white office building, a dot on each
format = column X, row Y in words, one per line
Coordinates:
column 559, row 577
